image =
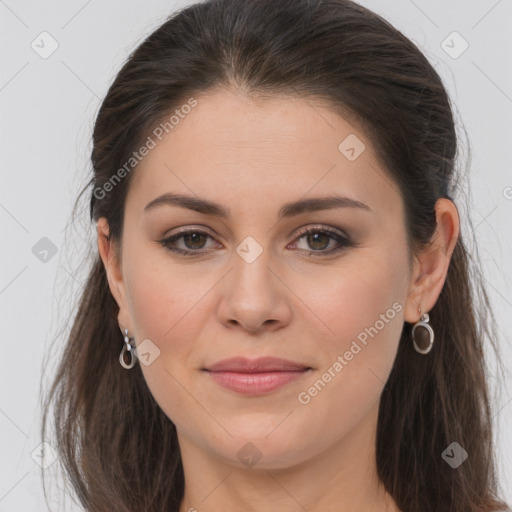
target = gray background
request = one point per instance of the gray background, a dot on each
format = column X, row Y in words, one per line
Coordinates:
column 47, row 109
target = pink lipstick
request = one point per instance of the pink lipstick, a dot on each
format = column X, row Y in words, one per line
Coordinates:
column 256, row 376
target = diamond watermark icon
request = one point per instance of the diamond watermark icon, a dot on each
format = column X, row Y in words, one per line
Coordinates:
column 146, row 352
column 44, row 250
column 352, row 147
column 454, row 455
column 249, row 455
column 454, row 45
column 44, row 45
column 249, row 249
column 44, row 455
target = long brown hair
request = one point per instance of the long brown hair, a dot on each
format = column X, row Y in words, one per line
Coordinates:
column 118, row 449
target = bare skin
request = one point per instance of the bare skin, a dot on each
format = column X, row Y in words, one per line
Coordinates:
column 315, row 453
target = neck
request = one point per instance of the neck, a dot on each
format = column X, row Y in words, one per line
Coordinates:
column 342, row 478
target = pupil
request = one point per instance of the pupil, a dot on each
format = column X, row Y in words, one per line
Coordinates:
column 195, row 237
column 315, row 237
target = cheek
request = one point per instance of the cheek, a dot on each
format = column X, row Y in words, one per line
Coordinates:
column 361, row 313
column 161, row 296
column 357, row 297
column 364, row 310
column 164, row 307
column 156, row 305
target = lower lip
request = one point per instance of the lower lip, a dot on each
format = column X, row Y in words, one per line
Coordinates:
column 256, row 383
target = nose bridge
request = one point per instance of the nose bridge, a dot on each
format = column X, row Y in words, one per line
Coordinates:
column 252, row 295
column 252, row 262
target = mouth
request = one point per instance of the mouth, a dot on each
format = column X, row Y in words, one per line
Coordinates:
column 257, row 376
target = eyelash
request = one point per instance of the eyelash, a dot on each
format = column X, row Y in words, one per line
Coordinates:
column 343, row 240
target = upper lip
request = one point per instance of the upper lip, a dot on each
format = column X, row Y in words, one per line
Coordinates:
column 261, row 364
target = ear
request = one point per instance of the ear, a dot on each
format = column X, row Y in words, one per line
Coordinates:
column 112, row 263
column 431, row 265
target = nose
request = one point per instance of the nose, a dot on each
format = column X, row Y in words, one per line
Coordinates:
column 254, row 297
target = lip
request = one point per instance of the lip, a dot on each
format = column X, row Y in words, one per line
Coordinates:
column 256, row 376
column 261, row 364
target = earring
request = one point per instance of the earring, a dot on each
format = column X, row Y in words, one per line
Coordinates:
column 422, row 335
column 127, row 347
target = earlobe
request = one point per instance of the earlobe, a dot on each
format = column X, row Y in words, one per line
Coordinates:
column 431, row 264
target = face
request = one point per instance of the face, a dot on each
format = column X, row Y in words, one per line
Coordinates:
column 255, row 284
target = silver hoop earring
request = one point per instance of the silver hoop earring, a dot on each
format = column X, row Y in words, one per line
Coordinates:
column 422, row 335
column 127, row 347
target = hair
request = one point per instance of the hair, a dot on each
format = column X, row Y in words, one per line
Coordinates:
column 118, row 449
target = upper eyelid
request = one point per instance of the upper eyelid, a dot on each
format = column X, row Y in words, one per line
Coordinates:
column 298, row 231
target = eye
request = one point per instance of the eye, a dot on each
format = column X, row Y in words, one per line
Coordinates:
column 193, row 239
column 317, row 238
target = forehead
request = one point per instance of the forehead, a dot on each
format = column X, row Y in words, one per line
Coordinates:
column 233, row 148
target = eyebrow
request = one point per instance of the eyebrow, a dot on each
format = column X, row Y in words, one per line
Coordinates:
column 288, row 210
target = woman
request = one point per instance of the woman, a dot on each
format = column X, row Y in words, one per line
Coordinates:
column 280, row 315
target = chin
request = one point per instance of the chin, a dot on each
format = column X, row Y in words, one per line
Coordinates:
column 261, row 451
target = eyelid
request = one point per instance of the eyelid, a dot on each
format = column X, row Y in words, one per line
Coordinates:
column 298, row 232
column 321, row 227
column 186, row 229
